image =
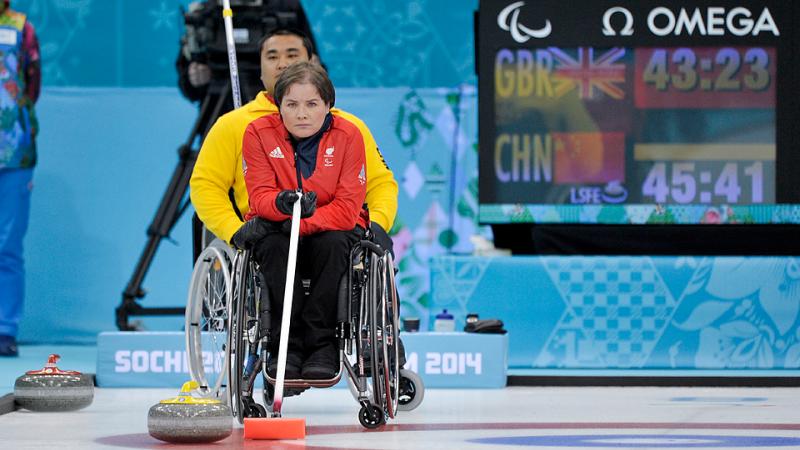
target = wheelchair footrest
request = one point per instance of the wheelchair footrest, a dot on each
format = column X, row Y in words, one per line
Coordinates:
column 305, row 384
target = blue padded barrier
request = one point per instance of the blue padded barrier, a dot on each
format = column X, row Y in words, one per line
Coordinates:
column 158, row 359
column 711, row 313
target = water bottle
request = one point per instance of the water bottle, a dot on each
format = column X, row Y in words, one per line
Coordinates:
column 444, row 322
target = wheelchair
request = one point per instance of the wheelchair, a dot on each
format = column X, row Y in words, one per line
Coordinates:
column 228, row 334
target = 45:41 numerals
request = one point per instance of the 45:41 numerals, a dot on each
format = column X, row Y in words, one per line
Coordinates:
column 684, row 184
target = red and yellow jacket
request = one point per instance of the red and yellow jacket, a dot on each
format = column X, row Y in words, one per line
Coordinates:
column 218, row 170
column 339, row 178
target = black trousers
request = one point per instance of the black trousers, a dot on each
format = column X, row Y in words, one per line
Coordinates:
column 322, row 258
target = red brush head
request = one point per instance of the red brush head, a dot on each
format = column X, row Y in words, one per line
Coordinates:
column 274, row 428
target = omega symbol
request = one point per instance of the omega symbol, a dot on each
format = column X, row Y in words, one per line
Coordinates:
column 627, row 30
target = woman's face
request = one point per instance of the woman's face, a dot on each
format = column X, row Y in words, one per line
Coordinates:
column 303, row 110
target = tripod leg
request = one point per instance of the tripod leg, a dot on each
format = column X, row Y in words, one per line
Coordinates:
column 167, row 215
column 159, row 228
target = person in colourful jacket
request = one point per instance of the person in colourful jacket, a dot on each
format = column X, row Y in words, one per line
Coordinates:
column 217, row 185
column 306, row 149
column 20, row 77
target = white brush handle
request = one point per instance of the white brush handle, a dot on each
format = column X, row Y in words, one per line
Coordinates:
column 227, row 17
column 286, row 318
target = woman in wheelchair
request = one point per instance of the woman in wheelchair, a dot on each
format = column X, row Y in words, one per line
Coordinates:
column 349, row 310
column 306, row 148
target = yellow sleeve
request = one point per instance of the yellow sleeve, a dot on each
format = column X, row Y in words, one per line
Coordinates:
column 382, row 188
column 214, row 174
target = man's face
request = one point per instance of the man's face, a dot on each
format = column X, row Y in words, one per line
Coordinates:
column 302, row 110
column 278, row 53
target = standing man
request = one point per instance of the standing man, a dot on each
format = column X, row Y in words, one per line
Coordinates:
column 20, row 78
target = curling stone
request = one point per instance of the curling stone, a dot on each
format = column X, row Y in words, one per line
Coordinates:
column 189, row 419
column 53, row 389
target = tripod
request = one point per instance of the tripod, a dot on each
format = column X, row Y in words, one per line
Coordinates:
column 172, row 206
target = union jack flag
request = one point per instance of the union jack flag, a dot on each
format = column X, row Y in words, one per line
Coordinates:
column 587, row 73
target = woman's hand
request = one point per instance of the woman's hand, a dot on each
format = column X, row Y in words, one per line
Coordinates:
column 285, row 202
column 308, row 204
column 253, row 231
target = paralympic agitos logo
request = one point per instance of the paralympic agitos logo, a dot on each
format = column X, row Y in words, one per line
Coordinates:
column 508, row 20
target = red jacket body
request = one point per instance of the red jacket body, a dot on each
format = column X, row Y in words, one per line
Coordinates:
column 339, row 177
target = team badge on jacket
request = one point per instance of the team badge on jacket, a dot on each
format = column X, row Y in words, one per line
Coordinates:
column 328, row 158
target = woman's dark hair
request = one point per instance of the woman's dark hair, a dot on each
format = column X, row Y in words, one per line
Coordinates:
column 305, row 72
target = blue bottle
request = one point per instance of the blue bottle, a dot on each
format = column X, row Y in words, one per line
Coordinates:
column 444, row 322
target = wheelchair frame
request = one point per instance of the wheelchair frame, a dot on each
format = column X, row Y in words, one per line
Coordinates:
column 367, row 332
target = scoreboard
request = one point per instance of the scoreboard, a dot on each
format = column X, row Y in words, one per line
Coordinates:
column 637, row 103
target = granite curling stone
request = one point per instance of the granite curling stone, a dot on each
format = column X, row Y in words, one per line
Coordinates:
column 189, row 419
column 53, row 389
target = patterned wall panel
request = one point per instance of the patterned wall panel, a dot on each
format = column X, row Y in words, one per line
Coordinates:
column 106, row 42
column 429, row 140
column 420, row 43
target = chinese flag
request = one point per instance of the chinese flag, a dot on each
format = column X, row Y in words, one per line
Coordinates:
column 589, row 158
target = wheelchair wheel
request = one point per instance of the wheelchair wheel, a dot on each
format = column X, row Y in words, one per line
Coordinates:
column 375, row 326
column 378, row 342
column 412, row 390
column 243, row 341
column 253, row 409
column 206, row 319
column 371, row 417
column 389, row 334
